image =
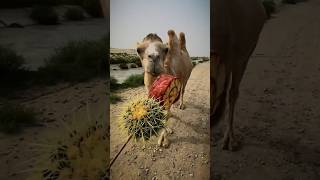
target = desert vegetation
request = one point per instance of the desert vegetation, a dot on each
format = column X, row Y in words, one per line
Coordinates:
column 92, row 7
column 269, row 6
column 134, row 80
column 13, row 73
column 114, row 98
column 77, row 61
column 44, row 14
column 13, row 117
column 124, row 58
column 74, row 14
column 80, row 153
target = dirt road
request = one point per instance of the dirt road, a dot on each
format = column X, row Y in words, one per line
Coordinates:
column 278, row 114
column 188, row 155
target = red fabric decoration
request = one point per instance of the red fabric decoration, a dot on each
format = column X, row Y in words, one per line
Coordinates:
column 166, row 89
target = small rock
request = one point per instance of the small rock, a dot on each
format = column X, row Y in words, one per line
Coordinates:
column 191, row 174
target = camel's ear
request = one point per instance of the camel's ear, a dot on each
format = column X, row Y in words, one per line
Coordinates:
column 140, row 48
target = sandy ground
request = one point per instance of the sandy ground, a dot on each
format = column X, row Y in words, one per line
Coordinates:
column 188, row 154
column 277, row 114
column 63, row 103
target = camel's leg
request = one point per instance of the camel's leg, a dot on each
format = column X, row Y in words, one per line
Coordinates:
column 182, row 106
column 229, row 142
column 163, row 140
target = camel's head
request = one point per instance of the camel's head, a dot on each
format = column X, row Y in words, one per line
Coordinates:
column 152, row 53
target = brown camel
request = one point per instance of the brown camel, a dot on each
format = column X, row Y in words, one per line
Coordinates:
column 235, row 31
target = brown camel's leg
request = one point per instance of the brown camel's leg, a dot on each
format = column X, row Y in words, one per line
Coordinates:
column 181, row 106
column 229, row 142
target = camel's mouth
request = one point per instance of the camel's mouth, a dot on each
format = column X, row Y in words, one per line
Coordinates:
column 155, row 74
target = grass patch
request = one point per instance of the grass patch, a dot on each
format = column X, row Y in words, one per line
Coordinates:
column 93, row 7
column 74, row 14
column 134, row 81
column 13, row 74
column 194, row 63
column 269, row 6
column 123, row 66
column 75, row 62
column 114, row 85
column 44, row 14
column 14, row 117
column 133, row 66
column 114, row 99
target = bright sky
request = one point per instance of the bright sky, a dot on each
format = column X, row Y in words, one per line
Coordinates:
column 132, row 20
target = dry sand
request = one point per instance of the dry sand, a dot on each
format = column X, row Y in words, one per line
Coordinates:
column 278, row 114
column 54, row 104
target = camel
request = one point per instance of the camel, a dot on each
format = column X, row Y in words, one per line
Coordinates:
column 235, row 31
column 171, row 58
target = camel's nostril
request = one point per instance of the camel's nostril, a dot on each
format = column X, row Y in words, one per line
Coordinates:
column 150, row 56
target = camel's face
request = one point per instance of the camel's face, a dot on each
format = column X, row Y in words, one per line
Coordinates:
column 152, row 53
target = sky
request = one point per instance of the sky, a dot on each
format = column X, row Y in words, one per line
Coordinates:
column 132, row 20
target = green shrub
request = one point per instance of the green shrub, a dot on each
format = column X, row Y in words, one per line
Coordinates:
column 75, row 62
column 13, row 75
column 124, row 58
column 133, row 66
column 205, row 59
column 74, row 14
column 114, row 85
column 13, row 117
column 123, row 66
column 134, row 81
column 269, row 6
column 10, row 61
column 114, row 99
column 44, row 14
column 93, row 7
column 194, row 63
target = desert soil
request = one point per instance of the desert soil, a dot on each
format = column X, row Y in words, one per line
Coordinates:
column 57, row 107
column 187, row 157
column 277, row 114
